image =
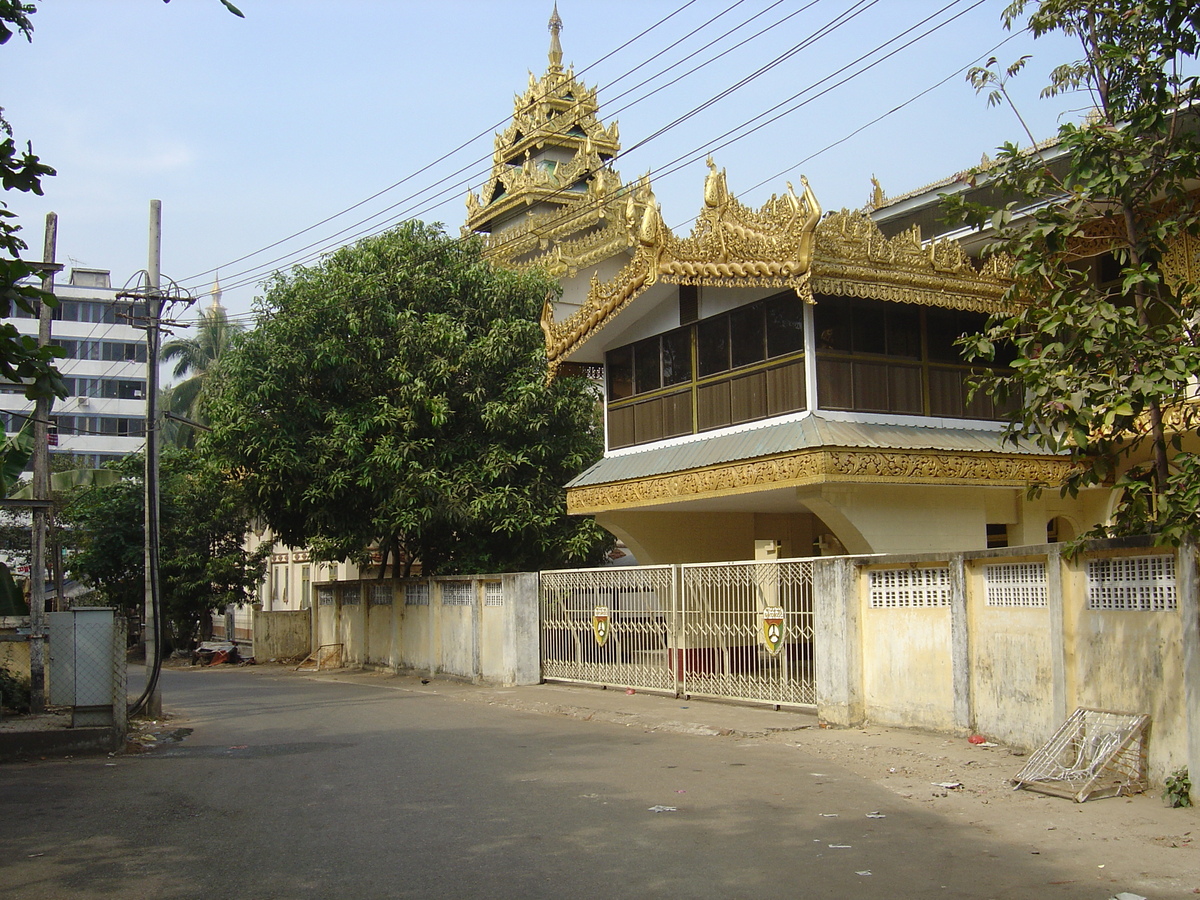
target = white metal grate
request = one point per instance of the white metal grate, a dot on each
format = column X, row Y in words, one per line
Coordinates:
column 380, row 595
column 1015, row 584
column 614, row 626
column 895, row 588
column 1145, row 583
column 325, row 596
column 416, row 594
column 456, row 593
column 493, row 593
column 748, row 631
column 351, row 594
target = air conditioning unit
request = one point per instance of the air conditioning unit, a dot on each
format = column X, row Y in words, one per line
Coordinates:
column 85, row 402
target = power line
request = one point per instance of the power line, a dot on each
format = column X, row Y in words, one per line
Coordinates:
column 855, row 8
column 251, row 276
column 428, row 166
column 734, row 135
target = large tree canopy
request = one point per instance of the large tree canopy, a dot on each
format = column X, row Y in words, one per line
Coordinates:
column 396, row 395
column 1106, row 340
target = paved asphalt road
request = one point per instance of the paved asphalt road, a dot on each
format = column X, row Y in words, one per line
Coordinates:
column 292, row 787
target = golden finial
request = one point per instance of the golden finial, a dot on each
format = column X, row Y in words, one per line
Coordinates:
column 555, row 47
column 878, row 198
column 216, row 294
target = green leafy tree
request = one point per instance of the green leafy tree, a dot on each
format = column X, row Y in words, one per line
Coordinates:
column 396, row 396
column 203, row 565
column 195, row 358
column 1104, row 331
column 21, row 359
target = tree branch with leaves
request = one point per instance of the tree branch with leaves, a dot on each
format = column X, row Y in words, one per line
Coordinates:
column 1104, row 327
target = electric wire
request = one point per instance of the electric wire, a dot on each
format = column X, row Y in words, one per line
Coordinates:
column 253, row 275
column 733, row 135
column 427, row 167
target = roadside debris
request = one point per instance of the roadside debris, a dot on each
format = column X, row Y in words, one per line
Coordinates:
column 661, row 809
column 1095, row 753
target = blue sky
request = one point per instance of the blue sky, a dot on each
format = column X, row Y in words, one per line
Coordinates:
column 251, row 130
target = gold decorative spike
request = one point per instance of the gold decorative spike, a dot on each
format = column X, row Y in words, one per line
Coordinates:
column 555, row 47
column 878, row 198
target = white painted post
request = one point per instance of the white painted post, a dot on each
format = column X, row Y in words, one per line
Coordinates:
column 837, row 631
column 1058, row 653
column 1189, row 612
column 960, row 644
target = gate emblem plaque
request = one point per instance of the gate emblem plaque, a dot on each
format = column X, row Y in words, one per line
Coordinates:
column 600, row 624
column 772, row 628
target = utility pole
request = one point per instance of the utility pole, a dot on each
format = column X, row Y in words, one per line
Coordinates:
column 152, row 294
column 153, row 627
column 41, row 491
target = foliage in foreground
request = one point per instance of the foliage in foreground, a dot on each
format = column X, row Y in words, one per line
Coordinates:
column 395, row 395
column 202, row 564
column 1106, row 339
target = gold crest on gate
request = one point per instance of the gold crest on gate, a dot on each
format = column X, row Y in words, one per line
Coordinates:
column 600, row 624
column 772, row 628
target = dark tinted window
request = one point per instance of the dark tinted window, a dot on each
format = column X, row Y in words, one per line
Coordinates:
column 676, row 357
column 712, row 345
column 746, row 340
column 647, row 375
column 619, row 364
column 785, row 325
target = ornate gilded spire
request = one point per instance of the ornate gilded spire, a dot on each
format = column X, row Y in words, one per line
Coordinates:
column 555, row 47
column 547, row 160
column 216, row 294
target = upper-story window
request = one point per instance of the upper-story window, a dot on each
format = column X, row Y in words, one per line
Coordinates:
column 738, row 366
column 880, row 357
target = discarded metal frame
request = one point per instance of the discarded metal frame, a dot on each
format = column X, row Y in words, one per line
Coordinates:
column 327, row 656
column 1095, row 753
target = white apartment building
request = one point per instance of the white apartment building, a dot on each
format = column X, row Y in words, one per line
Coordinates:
column 104, row 414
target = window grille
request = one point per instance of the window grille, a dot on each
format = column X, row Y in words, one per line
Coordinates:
column 1015, row 584
column 1132, row 583
column 891, row 588
column 416, row 594
column 493, row 593
column 325, row 596
column 351, row 595
column 457, row 593
column 380, row 595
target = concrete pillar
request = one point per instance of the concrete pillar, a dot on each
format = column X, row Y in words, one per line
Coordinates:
column 960, row 644
column 1058, row 652
column 838, row 635
column 523, row 633
column 1189, row 612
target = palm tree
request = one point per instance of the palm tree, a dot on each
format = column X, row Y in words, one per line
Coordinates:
column 195, row 359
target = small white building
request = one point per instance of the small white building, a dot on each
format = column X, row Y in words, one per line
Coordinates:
column 104, row 414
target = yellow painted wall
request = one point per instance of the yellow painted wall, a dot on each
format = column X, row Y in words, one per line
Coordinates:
column 14, row 655
column 907, row 677
column 1011, row 667
column 379, row 633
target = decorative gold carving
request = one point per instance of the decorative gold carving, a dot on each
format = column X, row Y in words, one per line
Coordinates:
column 1182, row 262
column 730, row 244
column 854, row 259
column 809, row 467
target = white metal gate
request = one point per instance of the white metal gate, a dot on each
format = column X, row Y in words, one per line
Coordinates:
column 732, row 630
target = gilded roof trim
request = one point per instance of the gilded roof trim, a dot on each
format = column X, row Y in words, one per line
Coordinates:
column 818, row 466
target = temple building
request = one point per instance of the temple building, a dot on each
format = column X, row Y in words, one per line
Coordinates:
column 781, row 381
